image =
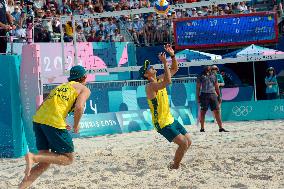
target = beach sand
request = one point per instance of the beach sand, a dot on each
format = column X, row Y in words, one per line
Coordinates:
column 250, row 156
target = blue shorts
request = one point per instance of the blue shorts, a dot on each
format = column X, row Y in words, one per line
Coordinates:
column 171, row 131
column 50, row 138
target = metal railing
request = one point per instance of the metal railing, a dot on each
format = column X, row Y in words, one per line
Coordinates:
column 124, row 31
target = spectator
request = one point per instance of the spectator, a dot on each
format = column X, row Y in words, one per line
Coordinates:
column 86, row 28
column 272, row 89
column 92, row 37
column 137, row 30
column 199, row 13
column 68, row 35
column 117, row 37
column 149, row 31
column 205, row 10
column 160, row 29
column 56, row 26
column 80, row 34
column 6, row 25
column 221, row 12
column 102, row 34
column 20, row 31
column 242, row 7
column 209, row 13
column 30, row 11
column 16, row 14
column 144, row 4
column 89, row 9
column 193, row 13
column 96, row 24
column 10, row 6
column 110, row 26
column 38, row 4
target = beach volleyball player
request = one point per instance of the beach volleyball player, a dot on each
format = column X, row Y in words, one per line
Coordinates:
column 53, row 141
column 158, row 101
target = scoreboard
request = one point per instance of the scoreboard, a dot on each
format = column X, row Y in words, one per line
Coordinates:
column 227, row 30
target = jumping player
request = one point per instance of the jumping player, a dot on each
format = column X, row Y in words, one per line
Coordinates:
column 53, row 141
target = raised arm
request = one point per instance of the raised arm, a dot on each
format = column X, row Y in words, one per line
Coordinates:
column 174, row 67
column 167, row 75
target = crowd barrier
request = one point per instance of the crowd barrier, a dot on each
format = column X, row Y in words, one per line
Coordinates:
column 253, row 110
column 12, row 137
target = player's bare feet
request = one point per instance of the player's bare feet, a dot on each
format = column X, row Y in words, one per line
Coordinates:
column 172, row 166
column 29, row 165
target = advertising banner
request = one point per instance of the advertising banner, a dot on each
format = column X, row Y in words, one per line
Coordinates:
column 251, row 110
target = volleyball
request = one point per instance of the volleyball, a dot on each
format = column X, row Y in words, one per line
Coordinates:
column 161, row 7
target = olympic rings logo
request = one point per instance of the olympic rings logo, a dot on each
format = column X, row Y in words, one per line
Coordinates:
column 242, row 110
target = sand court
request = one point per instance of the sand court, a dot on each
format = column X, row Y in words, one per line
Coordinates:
column 250, row 156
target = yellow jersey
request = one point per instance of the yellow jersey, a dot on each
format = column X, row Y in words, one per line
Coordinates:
column 69, row 30
column 160, row 110
column 56, row 107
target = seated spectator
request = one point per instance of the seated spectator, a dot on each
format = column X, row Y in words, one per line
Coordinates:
column 102, row 33
column 89, row 10
column 144, row 4
column 64, row 7
column 193, row 13
column 242, row 7
column 137, row 30
column 10, row 6
column 117, row 37
column 95, row 24
column 86, row 28
column 53, row 11
column 221, row 12
column 20, row 31
column 30, row 11
column 92, row 37
column 111, row 26
column 38, row 4
column 149, row 32
column 68, row 34
column 16, row 14
column 199, row 13
column 56, row 26
column 80, row 34
column 160, row 29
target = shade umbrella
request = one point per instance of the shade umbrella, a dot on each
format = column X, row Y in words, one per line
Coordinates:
column 189, row 55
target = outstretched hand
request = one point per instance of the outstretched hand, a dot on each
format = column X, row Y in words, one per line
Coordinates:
column 162, row 57
column 169, row 49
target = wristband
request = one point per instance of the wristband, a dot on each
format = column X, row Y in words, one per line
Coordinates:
column 172, row 56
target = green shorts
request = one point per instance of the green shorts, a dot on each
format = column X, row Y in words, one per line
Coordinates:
column 171, row 131
column 50, row 138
